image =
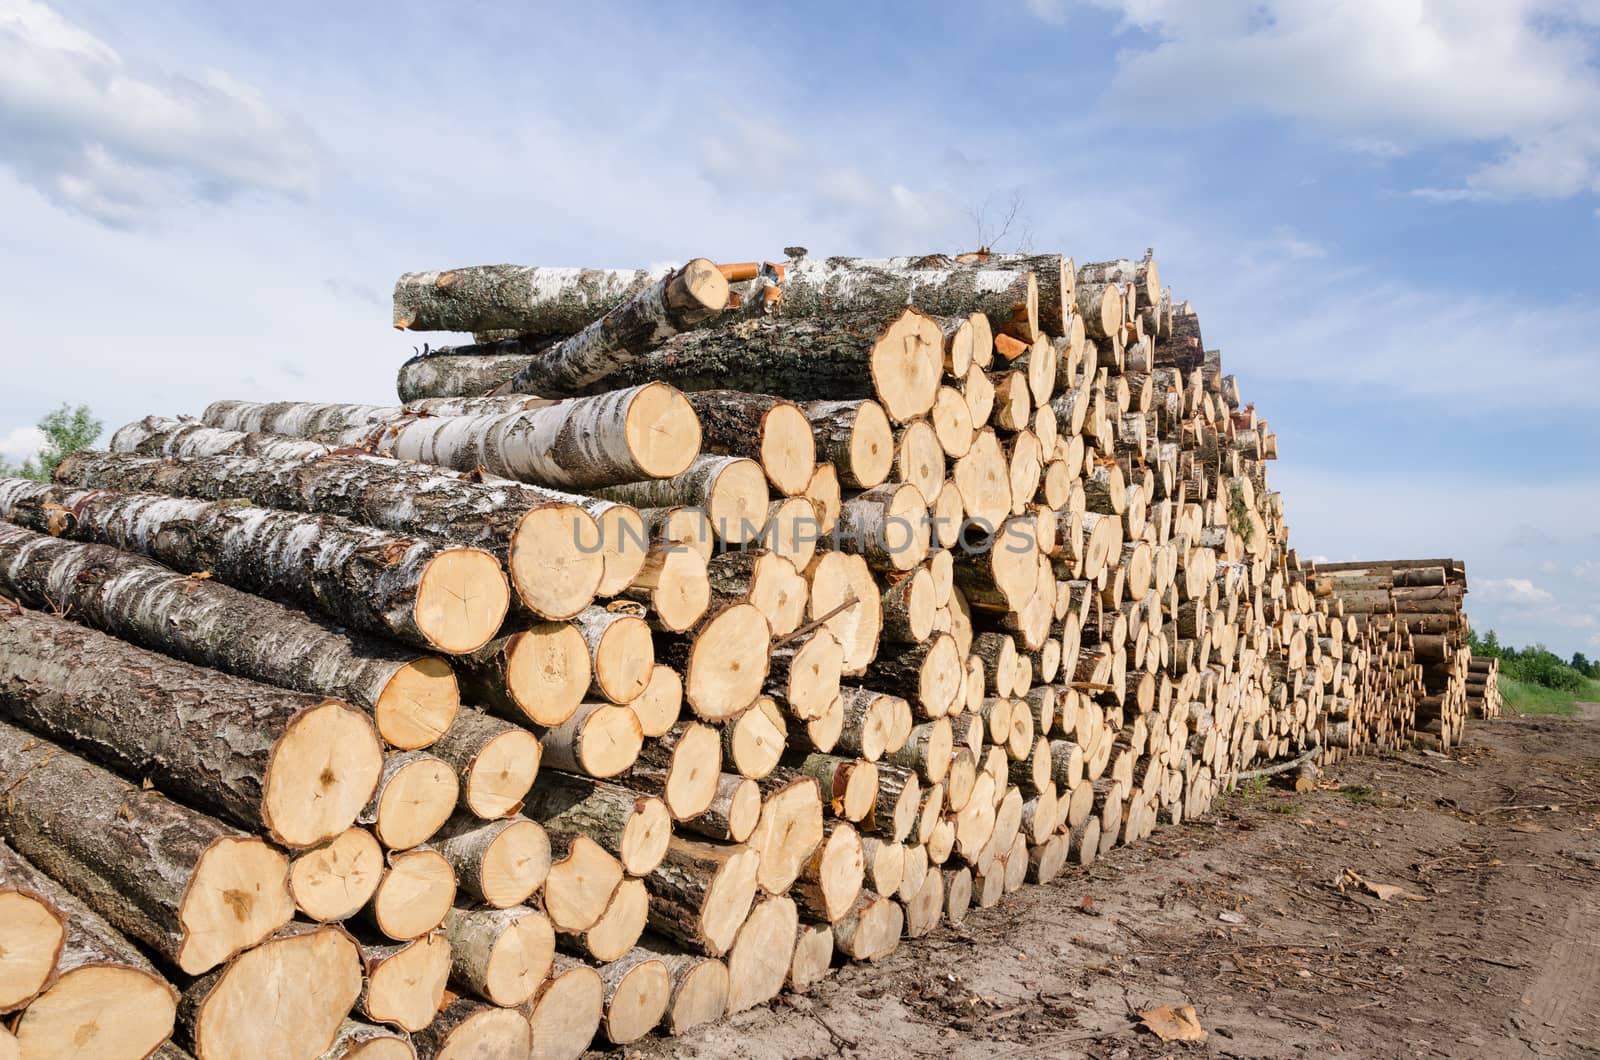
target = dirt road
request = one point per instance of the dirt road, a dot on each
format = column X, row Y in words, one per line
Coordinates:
column 1491, row 949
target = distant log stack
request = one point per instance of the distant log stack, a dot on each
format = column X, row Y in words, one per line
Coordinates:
column 1410, row 613
column 690, row 628
column 1483, row 687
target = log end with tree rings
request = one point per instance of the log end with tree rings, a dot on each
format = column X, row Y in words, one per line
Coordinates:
column 405, row 983
column 637, row 998
column 566, row 1013
column 679, row 590
column 109, row 1011
column 461, row 599
column 548, row 671
column 513, row 863
column 728, row 662
column 660, row 705
column 759, row 962
column 333, row 881
column 699, row 995
column 906, row 364
column 469, row 1029
column 788, row 450
column 237, row 896
column 555, row 566
column 621, row 541
column 418, row 704
column 417, row 794
column 826, row 496
column 310, row 978
column 501, row 773
column 414, row 895
column 871, row 446
column 32, row 933
column 323, row 769
column 661, row 430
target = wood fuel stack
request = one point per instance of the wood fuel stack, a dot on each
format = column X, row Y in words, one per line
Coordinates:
column 688, row 630
column 1483, row 687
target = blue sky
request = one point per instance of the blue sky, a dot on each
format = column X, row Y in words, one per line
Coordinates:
column 1386, row 211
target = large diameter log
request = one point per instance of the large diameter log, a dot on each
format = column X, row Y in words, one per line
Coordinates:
column 684, row 299
column 832, row 876
column 526, row 299
column 893, row 355
column 856, row 437
column 550, row 544
column 437, row 597
column 846, row 599
column 772, row 431
column 412, row 698
column 296, row 766
column 456, row 372
column 701, row 893
column 758, row 964
column 98, row 996
column 684, row 766
column 288, row 997
column 642, row 432
column 191, row 889
column 631, row 827
column 789, row 830
column 936, row 284
column 724, row 661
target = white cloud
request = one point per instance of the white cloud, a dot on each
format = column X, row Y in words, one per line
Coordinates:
column 1512, row 591
column 1052, row 11
column 116, row 146
column 19, row 443
column 1515, row 76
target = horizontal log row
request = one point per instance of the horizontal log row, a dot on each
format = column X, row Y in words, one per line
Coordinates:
column 976, row 577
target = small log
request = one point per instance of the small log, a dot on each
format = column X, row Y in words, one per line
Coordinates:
column 416, row 794
column 413, row 896
column 495, row 762
column 856, row 437
column 565, row 1013
column 333, row 881
column 502, row 955
column 405, row 981
column 500, row 863
column 470, row 1028
column 632, row 828
column 762, row 954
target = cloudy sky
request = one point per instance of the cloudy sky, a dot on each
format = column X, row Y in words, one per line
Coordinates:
column 1386, row 211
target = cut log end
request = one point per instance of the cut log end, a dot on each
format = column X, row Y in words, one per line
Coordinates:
column 322, row 772
column 405, row 986
column 333, row 881
column 728, row 662
column 906, row 364
column 32, row 933
column 699, row 996
column 309, row 979
column 236, row 897
column 638, row 1001
column 415, row 799
column 622, row 536
column 418, row 704
column 624, row 659
column 788, row 449
column 501, row 774
column 414, row 895
column 758, row 964
column 662, row 431
column 566, row 1014
column 103, row 1011
column 515, row 864
column 555, row 565
column 461, row 600
column 548, row 672
column 660, row 705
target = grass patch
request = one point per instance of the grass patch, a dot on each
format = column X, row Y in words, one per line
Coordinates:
column 1250, row 787
column 1523, row 697
column 1358, row 793
column 1284, row 808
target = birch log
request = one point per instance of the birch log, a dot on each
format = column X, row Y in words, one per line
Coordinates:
column 413, row 698
column 294, row 765
column 457, row 372
column 191, row 889
column 102, row 998
column 546, row 538
column 431, row 595
column 680, row 301
column 526, row 299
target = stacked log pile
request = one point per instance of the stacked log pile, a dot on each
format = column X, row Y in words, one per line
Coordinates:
column 1411, row 611
column 1483, row 687
column 769, row 613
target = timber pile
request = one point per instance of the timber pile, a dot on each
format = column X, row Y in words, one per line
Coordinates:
column 1483, row 687
column 806, row 606
column 1411, row 612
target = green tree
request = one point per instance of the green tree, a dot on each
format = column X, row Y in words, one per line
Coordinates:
column 1580, row 662
column 66, row 430
column 1491, row 644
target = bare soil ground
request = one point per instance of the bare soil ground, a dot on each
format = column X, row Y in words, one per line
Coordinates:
column 1492, row 950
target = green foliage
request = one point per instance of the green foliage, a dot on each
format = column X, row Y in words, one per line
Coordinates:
column 1239, row 520
column 1358, row 793
column 1580, row 662
column 66, row 430
column 1522, row 697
